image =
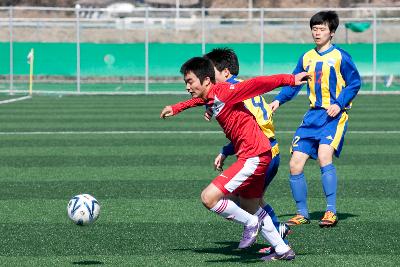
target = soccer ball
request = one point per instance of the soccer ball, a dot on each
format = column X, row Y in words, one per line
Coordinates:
column 83, row 209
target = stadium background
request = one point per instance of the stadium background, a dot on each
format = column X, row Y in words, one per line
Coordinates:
column 100, row 50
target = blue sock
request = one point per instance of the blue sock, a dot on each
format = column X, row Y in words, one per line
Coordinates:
column 329, row 183
column 299, row 192
column 271, row 214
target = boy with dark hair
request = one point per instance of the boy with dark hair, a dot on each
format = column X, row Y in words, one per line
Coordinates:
column 334, row 83
column 246, row 176
column 226, row 67
column 224, row 59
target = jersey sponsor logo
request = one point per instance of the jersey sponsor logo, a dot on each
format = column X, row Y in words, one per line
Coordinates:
column 217, row 106
column 331, row 62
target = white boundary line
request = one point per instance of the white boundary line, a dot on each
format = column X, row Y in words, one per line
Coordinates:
column 15, row 99
column 164, row 132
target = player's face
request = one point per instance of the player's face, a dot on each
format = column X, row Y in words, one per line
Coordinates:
column 194, row 86
column 322, row 35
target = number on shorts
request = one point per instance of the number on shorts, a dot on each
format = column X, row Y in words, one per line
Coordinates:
column 295, row 140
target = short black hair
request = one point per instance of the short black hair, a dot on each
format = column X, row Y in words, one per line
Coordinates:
column 224, row 58
column 329, row 17
column 201, row 67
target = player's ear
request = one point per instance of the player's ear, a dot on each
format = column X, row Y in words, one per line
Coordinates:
column 226, row 73
column 206, row 81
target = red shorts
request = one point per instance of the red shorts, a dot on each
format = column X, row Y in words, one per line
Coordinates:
column 245, row 177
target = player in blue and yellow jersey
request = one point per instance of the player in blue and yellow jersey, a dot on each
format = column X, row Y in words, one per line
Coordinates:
column 226, row 67
column 333, row 84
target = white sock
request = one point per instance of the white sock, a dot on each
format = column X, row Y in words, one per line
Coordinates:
column 230, row 211
column 271, row 235
column 261, row 213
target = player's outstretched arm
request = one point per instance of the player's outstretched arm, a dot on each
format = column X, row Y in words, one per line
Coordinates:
column 253, row 87
column 166, row 112
column 169, row 111
column 288, row 92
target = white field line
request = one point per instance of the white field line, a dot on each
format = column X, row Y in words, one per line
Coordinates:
column 14, row 99
column 163, row 132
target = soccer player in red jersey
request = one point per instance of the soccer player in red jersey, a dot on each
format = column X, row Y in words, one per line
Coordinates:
column 246, row 176
column 226, row 66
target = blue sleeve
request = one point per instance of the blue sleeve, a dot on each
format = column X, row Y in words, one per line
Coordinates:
column 353, row 81
column 228, row 150
column 287, row 93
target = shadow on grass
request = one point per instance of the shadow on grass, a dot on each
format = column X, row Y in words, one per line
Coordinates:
column 87, row 263
column 229, row 248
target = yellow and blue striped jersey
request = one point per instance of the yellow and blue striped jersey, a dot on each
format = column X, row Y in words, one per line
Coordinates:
column 260, row 110
column 334, row 79
column 263, row 115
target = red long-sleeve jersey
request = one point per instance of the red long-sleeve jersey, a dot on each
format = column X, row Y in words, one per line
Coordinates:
column 238, row 124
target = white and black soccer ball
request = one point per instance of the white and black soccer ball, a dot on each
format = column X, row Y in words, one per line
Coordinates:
column 83, row 209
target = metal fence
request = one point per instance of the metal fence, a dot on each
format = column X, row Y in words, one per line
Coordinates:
column 163, row 38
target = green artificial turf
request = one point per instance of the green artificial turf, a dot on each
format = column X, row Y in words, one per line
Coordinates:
column 148, row 175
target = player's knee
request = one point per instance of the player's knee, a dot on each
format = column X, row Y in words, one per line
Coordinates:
column 325, row 154
column 208, row 200
column 324, row 159
column 296, row 166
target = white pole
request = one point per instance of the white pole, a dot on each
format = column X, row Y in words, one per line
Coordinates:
column 250, row 9
column 10, row 29
column 177, row 4
column 146, row 52
column 262, row 41
column 78, row 50
column 374, row 53
column 203, row 31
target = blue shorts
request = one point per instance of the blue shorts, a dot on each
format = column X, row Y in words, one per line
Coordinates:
column 274, row 164
column 318, row 128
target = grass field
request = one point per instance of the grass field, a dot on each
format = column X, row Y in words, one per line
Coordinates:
column 148, row 173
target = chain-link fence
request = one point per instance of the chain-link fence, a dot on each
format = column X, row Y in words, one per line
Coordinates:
column 86, row 50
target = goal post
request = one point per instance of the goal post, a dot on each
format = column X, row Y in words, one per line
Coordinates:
column 31, row 58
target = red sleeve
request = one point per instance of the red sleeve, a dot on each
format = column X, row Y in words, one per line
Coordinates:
column 190, row 103
column 253, row 87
